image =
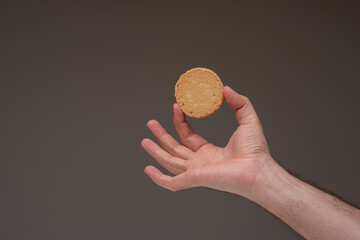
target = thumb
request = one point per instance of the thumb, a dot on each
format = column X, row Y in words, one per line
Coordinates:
column 244, row 111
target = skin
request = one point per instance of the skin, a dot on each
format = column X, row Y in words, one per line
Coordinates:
column 246, row 168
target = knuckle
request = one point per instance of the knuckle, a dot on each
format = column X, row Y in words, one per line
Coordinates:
column 186, row 165
column 188, row 133
column 194, row 175
column 173, row 188
column 246, row 99
column 177, row 148
column 171, row 161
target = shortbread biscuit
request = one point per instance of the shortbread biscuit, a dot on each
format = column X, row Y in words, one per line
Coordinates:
column 199, row 92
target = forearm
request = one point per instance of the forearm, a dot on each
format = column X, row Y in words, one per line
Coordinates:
column 312, row 213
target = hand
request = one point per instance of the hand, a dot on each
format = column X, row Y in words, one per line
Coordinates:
column 245, row 167
column 237, row 168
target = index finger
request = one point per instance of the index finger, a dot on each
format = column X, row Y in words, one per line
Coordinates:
column 186, row 133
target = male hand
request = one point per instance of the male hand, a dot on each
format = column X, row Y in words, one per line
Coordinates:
column 245, row 167
column 236, row 168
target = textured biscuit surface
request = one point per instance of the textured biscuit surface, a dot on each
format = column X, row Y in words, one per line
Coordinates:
column 199, row 92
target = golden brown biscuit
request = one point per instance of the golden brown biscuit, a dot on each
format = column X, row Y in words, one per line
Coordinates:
column 199, row 92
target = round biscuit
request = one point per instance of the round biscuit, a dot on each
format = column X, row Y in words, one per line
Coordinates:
column 199, row 92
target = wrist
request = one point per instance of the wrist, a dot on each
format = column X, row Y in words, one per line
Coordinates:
column 271, row 180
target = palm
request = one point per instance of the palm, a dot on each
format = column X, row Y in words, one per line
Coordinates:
column 199, row 163
column 211, row 163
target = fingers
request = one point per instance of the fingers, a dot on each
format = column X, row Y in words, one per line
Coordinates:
column 167, row 141
column 173, row 164
column 245, row 112
column 176, row 183
column 187, row 136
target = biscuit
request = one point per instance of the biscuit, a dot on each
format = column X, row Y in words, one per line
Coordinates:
column 199, row 92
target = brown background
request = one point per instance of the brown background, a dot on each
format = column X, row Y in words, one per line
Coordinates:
column 79, row 80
